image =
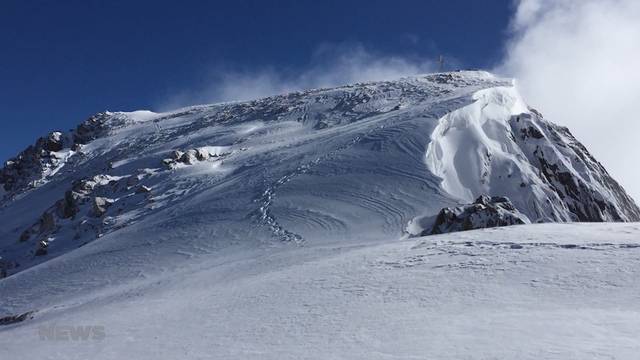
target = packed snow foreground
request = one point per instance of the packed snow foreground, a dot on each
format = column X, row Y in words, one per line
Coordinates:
column 294, row 227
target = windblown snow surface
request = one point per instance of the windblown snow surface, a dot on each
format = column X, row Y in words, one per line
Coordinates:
column 284, row 228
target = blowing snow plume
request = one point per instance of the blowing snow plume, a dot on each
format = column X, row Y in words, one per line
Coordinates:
column 330, row 65
column 577, row 62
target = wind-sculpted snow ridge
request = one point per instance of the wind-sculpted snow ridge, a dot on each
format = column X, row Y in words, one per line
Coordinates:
column 500, row 147
column 351, row 164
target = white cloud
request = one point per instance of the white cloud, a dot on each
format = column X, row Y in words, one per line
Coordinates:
column 331, row 65
column 578, row 61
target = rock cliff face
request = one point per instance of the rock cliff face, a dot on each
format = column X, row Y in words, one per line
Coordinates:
column 585, row 188
column 354, row 163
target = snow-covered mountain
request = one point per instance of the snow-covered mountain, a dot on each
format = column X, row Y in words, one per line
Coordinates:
column 246, row 194
column 359, row 162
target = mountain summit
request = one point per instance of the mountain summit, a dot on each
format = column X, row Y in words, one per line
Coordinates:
column 291, row 227
column 362, row 162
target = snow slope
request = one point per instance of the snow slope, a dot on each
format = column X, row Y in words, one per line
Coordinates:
column 354, row 163
column 279, row 227
column 544, row 291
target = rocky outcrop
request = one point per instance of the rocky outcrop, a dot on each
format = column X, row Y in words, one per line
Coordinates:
column 189, row 157
column 92, row 128
column 41, row 250
column 31, row 167
column 34, row 163
column 82, row 210
column 485, row 212
column 566, row 166
column 45, row 226
column 143, row 189
column 12, row 319
column 100, row 205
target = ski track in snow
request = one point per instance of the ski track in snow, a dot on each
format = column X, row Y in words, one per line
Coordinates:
column 269, row 194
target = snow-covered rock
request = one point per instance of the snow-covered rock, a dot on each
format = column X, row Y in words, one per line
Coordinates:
column 35, row 163
column 38, row 163
column 485, row 212
column 100, row 205
column 192, row 156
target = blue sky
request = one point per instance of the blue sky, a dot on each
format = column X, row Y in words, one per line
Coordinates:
column 65, row 60
column 62, row 61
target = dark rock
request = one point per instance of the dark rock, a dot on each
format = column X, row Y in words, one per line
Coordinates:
column 47, row 223
column 531, row 132
column 189, row 157
column 42, row 248
column 177, row 154
column 30, row 166
column 25, row 235
column 100, row 206
column 168, row 163
column 593, row 198
column 132, row 180
column 68, row 207
column 12, row 319
column 54, row 142
column 143, row 189
column 91, row 129
column 485, row 212
column 202, row 154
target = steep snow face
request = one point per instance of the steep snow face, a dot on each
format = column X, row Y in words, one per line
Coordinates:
column 466, row 139
column 475, row 152
column 500, row 147
column 329, row 165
